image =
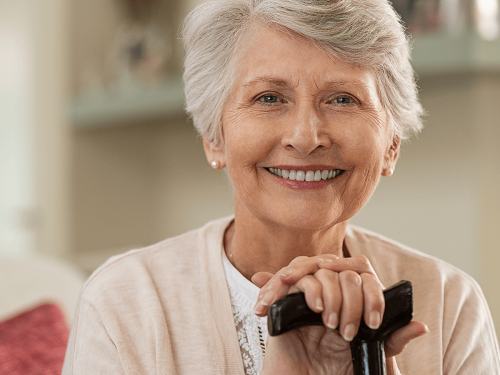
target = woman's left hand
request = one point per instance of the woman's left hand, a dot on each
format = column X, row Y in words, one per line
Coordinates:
column 344, row 291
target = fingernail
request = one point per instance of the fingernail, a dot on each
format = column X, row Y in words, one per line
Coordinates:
column 259, row 309
column 333, row 321
column 268, row 298
column 325, row 260
column 319, row 304
column 287, row 272
column 374, row 320
column 423, row 333
column 349, row 332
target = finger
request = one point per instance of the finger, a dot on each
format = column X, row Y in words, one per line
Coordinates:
column 261, row 278
column 313, row 291
column 301, row 266
column 373, row 300
column 359, row 264
column 332, row 297
column 402, row 337
column 352, row 304
column 269, row 293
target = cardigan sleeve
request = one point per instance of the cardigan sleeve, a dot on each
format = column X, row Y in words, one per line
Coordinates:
column 471, row 347
column 90, row 349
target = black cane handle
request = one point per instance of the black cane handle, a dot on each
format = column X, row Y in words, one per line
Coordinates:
column 367, row 348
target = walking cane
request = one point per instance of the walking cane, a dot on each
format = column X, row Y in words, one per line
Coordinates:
column 367, row 348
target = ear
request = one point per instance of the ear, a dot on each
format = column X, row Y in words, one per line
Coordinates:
column 391, row 157
column 214, row 153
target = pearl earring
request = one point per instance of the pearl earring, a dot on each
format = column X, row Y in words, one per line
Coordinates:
column 215, row 164
column 391, row 171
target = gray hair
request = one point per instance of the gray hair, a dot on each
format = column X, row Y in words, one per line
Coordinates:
column 366, row 33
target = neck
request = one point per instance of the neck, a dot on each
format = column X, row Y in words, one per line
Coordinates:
column 255, row 246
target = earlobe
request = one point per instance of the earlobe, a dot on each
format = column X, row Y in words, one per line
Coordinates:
column 391, row 157
column 214, row 153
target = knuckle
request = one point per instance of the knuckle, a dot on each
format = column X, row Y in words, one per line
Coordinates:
column 273, row 283
column 298, row 259
column 368, row 277
column 375, row 300
column 363, row 261
column 281, row 271
column 377, row 303
column 351, row 277
column 327, row 275
column 323, row 273
column 310, row 284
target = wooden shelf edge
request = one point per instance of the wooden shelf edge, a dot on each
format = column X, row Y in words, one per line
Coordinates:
column 446, row 53
column 116, row 108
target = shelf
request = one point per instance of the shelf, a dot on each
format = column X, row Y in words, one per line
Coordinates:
column 110, row 109
column 432, row 54
column 455, row 53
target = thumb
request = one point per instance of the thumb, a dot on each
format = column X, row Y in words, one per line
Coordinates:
column 261, row 278
column 402, row 337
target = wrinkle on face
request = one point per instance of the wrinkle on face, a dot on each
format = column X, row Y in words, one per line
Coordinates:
column 353, row 137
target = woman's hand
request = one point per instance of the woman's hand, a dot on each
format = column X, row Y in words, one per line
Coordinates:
column 344, row 291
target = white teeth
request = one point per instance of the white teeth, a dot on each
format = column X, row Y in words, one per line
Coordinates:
column 317, row 176
column 305, row 175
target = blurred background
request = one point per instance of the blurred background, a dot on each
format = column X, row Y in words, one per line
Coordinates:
column 97, row 156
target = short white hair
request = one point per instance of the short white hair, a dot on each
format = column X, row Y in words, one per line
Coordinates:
column 367, row 33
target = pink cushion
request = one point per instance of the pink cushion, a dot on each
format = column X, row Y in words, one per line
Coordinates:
column 34, row 342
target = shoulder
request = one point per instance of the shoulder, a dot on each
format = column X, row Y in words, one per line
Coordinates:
column 435, row 282
column 393, row 259
column 447, row 299
column 180, row 256
column 134, row 308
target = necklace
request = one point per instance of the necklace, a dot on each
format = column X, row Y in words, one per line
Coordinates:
column 230, row 250
column 231, row 253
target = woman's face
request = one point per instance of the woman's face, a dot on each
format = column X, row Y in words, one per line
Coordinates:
column 295, row 108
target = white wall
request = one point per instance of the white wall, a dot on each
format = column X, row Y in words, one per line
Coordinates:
column 18, row 234
column 34, row 128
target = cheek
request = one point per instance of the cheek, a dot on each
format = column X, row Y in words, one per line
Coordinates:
column 247, row 140
column 364, row 140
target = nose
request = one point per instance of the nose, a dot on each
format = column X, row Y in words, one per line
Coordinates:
column 306, row 131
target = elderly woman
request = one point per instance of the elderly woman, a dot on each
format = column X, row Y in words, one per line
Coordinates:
column 305, row 103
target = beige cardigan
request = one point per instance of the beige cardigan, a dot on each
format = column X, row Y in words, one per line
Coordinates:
column 165, row 309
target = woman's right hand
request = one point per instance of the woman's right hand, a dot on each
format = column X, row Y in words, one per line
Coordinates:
column 344, row 291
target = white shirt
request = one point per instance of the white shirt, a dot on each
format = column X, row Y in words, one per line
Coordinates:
column 251, row 329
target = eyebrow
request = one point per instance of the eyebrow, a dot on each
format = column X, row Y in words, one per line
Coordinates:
column 267, row 79
column 283, row 83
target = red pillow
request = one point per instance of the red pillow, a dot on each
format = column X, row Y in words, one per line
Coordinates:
column 34, row 342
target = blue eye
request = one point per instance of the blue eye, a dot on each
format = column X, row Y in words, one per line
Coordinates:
column 269, row 99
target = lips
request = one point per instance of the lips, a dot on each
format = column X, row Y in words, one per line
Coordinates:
column 314, row 175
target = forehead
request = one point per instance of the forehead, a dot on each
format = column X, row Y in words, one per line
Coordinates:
column 282, row 59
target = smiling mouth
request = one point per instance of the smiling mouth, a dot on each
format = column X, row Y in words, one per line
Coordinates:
column 312, row 176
